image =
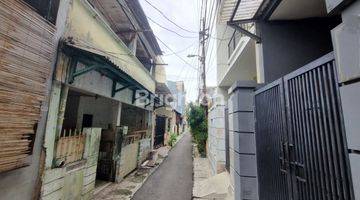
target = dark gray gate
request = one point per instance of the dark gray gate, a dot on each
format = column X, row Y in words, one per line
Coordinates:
column 159, row 131
column 271, row 137
column 311, row 150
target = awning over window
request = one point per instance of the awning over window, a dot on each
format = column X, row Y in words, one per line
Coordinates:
column 245, row 9
column 114, row 64
column 98, row 61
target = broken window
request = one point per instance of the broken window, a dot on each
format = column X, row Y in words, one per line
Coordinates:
column 46, row 8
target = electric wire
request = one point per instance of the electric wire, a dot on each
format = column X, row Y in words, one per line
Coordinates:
column 167, row 18
column 187, row 63
column 163, row 27
column 181, row 51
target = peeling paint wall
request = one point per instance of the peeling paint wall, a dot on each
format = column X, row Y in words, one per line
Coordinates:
column 100, row 108
column 97, row 83
column 88, row 29
column 128, row 160
column 76, row 180
column 144, row 150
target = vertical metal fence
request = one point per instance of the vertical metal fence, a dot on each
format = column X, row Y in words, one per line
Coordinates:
column 270, row 141
column 311, row 150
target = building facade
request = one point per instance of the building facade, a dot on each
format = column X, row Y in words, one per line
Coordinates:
column 84, row 74
column 283, row 81
column 177, row 89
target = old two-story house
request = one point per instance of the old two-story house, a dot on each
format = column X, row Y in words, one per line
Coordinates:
column 287, row 72
column 103, row 98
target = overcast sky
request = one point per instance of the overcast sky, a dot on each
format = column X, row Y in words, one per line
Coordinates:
column 185, row 13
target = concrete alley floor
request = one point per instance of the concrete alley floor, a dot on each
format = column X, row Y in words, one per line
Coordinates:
column 173, row 180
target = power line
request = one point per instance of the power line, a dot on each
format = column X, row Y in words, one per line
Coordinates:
column 192, row 64
column 176, row 53
column 169, row 18
column 183, row 50
column 170, row 29
column 223, row 34
column 183, row 36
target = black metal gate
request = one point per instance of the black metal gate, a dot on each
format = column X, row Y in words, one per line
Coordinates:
column 159, row 131
column 301, row 145
column 271, row 137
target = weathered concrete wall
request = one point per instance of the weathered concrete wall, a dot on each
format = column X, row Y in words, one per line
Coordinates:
column 128, row 160
column 346, row 41
column 216, row 138
column 96, row 83
column 144, row 150
column 76, row 180
column 89, row 30
column 243, row 167
column 102, row 110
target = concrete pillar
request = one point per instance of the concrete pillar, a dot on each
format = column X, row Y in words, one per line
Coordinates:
column 117, row 113
column 243, row 167
column 346, row 42
column 54, row 120
column 62, row 108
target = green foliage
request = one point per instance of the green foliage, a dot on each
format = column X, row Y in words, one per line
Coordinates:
column 196, row 118
column 172, row 139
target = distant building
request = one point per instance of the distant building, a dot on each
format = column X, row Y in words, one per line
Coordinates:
column 177, row 88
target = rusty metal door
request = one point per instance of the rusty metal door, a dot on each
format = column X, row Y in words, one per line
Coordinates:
column 301, row 144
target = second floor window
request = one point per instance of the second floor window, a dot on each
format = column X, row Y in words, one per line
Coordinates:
column 46, row 8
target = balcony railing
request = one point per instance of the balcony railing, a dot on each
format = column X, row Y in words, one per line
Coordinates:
column 70, row 147
column 236, row 38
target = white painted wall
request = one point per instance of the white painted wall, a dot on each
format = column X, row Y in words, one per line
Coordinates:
column 104, row 111
column 216, row 139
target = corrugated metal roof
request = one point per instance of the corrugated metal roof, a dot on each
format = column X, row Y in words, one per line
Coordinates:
column 141, row 18
column 146, row 82
column 246, row 9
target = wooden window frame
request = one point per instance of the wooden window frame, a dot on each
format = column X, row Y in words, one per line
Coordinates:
column 48, row 9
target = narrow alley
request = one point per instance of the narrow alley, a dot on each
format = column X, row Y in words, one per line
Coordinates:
column 173, row 179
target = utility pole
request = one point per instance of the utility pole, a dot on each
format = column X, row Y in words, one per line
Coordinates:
column 203, row 36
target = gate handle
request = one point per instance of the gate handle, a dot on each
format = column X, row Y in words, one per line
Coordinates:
column 283, row 165
column 299, row 171
column 283, row 160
